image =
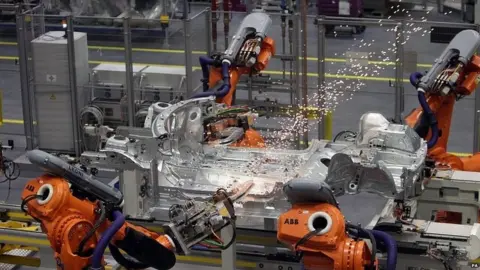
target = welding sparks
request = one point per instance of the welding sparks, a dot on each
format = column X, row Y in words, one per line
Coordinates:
column 338, row 90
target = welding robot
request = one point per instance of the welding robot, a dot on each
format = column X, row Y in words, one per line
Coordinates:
column 316, row 229
column 248, row 53
column 454, row 75
column 81, row 217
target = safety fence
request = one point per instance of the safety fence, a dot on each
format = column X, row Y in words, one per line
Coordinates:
column 351, row 66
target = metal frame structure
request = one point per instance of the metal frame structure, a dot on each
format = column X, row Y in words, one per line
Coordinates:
column 23, row 36
column 290, row 81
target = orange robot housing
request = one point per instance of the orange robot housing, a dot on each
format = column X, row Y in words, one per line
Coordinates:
column 266, row 52
column 442, row 106
column 328, row 249
column 69, row 221
column 252, row 138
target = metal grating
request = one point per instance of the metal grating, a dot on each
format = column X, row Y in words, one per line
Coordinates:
column 15, row 252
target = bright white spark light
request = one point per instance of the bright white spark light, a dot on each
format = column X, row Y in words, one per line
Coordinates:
column 345, row 81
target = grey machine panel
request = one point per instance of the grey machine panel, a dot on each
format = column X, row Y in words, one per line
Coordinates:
column 52, row 90
column 109, row 80
column 162, row 83
column 455, row 191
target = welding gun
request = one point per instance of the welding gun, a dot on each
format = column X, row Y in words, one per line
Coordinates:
column 456, row 73
column 248, row 53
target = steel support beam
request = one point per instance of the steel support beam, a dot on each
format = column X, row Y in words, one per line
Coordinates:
column 25, row 83
column 72, row 71
column 127, row 36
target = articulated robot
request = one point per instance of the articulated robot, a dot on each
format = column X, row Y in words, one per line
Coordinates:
column 249, row 53
column 82, row 217
column 316, row 228
column 454, row 75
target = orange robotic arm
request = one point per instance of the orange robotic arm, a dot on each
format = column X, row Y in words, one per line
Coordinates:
column 248, row 53
column 316, row 229
column 73, row 227
column 242, row 67
column 81, row 218
column 319, row 232
column 442, row 105
column 251, row 137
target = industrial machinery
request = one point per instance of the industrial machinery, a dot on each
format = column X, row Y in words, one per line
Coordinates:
column 102, row 100
column 82, row 216
column 176, row 165
column 385, row 158
column 181, row 161
column 8, row 167
column 451, row 195
column 427, row 244
column 150, row 10
column 454, row 75
column 107, row 108
column 248, row 53
column 108, row 92
column 315, row 226
column 52, row 95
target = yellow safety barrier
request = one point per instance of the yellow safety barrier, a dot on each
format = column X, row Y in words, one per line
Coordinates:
column 18, row 216
column 328, row 126
column 20, row 225
column 20, row 260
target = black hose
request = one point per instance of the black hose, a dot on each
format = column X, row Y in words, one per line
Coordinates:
column 101, row 219
column 15, row 171
column 29, row 198
column 124, row 261
column 234, row 235
column 13, row 174
column 306, row 237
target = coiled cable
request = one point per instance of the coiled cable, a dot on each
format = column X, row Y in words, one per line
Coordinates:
column 101, row 219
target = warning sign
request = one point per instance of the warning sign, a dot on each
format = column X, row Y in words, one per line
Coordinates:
column 53, row 97
column 51, row 78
